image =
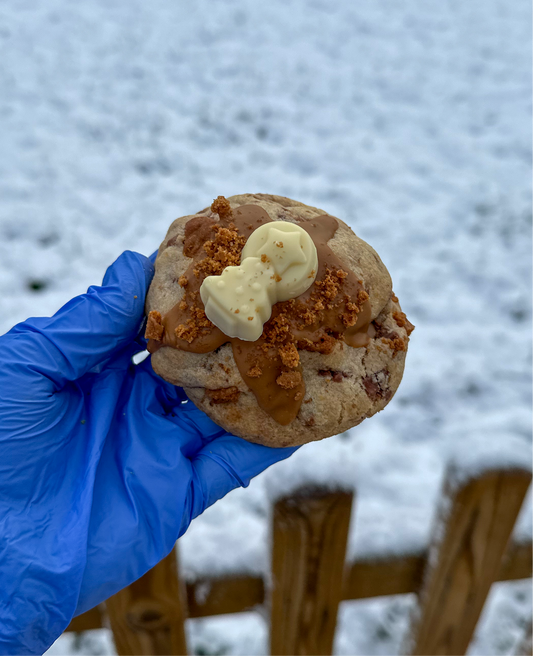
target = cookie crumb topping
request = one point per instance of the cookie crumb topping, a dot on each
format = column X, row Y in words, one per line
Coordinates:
column 289, row 355
column 222, row 207
column 222, row 251
column 154, row 326
column 191, row 330
column 289, row 379
column 403, row 322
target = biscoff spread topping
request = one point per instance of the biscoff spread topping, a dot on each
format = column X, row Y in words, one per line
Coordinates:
column 333, row 308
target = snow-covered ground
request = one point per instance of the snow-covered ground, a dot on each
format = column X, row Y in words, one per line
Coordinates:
column 409, row 120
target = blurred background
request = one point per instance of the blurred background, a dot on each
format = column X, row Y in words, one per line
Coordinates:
column 410, row 121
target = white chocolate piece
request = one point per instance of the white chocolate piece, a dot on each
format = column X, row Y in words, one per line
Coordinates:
column 244, row 303
column 240, row 300
column 296, row 261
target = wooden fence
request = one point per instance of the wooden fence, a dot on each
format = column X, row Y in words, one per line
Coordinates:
column 470, row 549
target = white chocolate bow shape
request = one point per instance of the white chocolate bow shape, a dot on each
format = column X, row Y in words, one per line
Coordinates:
column 278, row 262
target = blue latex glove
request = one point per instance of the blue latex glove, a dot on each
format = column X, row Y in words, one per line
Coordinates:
column 102, row 463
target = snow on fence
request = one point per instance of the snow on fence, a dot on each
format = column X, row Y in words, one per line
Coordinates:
column 470, row 549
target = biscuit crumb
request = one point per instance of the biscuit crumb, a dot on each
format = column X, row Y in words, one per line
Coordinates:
column 403, row 322
column 351, row 310
column 187, row 332
column 191, row 330
column 222, row 395
column 325, row 344
column 330, row 285
column 289, row 355
column 394, row 298
column 223, row 251
column 396, row 343
column 264, row 258
column 183, row 282
column 255, row 372
column 276, row 329
column 289, row 379
column 400, row 318
column 154, row 327
column 222, row 207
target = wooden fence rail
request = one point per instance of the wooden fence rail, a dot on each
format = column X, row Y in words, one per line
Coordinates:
column 470, row 550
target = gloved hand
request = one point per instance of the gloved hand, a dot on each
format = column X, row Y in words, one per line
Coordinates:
column 103, row 465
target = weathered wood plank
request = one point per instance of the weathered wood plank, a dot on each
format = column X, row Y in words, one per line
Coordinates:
column 148, row 616
column 472, row 530
column 310, row 531
column 376, row 578
column 363, row 579
column 207, row 597
column 517, row 562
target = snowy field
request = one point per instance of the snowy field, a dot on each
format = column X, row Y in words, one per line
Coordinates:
column 410, row 121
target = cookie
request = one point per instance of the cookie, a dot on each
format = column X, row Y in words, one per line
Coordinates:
column 326, row 360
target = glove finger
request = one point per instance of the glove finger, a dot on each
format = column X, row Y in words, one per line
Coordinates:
column 226, row 463
column 88, row 329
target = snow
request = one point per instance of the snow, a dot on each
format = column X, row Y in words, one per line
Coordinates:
column 409, row 120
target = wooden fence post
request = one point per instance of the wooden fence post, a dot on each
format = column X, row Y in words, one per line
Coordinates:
column 310, row 532
column 91, row 619
column 474, row 523
column 148, row 616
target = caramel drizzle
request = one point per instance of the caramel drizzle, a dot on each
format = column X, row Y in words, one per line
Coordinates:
column 281, row 403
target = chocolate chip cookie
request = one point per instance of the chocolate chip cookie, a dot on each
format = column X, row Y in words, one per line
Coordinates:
column 326, row 360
